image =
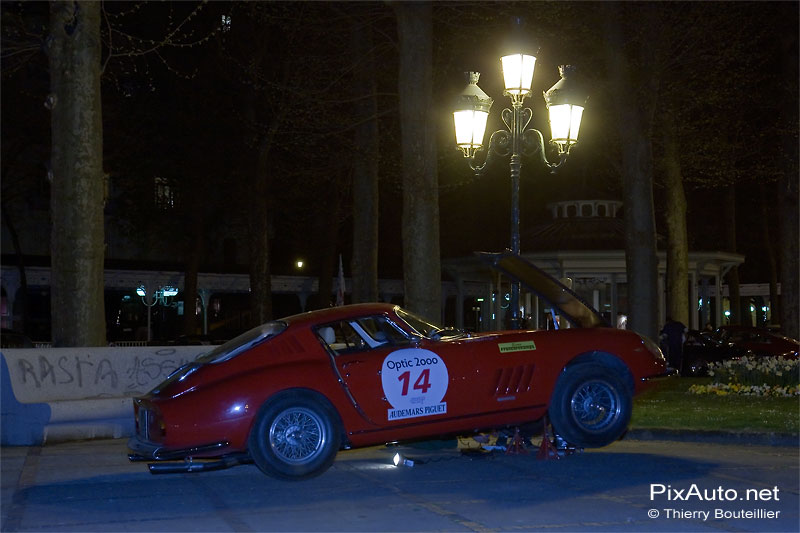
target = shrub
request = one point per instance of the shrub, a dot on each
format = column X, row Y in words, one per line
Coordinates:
column 762, row 376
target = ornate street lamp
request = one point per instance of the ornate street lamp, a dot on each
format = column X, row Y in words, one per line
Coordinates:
column 151, row 297
column 565, row 103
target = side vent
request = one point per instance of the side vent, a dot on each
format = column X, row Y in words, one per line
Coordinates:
column 513, row 380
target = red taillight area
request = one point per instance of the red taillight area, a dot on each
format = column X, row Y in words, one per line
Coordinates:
column 150, row 424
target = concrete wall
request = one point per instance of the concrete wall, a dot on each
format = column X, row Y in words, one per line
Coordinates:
column 56, row 394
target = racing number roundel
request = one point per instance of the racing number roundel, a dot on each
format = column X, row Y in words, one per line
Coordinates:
column 414, row 382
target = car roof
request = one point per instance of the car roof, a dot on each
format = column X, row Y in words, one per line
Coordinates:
column 546, row 287
column 330, row 314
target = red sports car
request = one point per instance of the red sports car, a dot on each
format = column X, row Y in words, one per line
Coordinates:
column 290, row 393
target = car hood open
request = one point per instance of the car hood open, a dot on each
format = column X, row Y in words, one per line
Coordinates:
column 546, row 287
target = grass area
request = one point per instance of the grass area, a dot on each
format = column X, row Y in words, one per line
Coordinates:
column 669, row 405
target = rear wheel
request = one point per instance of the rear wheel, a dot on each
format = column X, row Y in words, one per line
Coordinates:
column 296, row 436
column 591, row 405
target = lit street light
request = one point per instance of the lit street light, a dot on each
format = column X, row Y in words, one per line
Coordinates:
column 565, row 105
column 153, row 297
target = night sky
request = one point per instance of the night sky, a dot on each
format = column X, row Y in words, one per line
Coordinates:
column 190, row 109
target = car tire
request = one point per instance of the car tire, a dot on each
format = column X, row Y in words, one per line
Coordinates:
column 296, row 436
column 591, row 405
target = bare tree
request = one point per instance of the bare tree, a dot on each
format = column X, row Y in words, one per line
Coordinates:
column 421, row 256
column 634, row 93
column 365, row 167
column 675, row 215
column 77, row 189
column 788, row 191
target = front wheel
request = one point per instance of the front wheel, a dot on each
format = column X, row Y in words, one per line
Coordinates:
column 295, row 437
column 591, row 405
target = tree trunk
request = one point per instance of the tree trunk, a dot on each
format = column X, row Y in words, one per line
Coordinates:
column 790, row 251
column 677, row 234
column 788, row 195
column 77, row 189
column 259, row 199
column 328, row 245
column 364, row 263
column 769, row 257
column 421, row 258
column 634, row 107
column 260, row 276
column 729, row 219
column 194, row 254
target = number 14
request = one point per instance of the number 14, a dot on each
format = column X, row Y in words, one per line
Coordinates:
column 421, row 384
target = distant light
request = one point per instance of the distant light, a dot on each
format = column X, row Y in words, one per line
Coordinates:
column 140, row 291
column 727, row 313
column 169, row 291
column 299, row 264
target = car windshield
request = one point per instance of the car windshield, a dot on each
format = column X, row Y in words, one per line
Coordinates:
column 425, row 328
column 243, row 342
column 418, row 324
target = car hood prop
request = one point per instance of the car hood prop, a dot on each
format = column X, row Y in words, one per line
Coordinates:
column 545, row 286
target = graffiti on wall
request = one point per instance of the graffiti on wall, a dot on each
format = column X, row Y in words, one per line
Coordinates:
column 69, row 373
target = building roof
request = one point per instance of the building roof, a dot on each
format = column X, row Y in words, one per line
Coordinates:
column 600, row 233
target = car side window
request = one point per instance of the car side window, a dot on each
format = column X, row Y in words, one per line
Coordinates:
column 349, row 336
column 340, row 337
column 381, row 332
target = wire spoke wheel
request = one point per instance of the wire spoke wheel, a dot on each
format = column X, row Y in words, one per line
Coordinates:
column 595, row 405
column 297, row 435
column 591, row 405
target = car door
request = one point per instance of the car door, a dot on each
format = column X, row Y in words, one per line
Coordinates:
column 392, row 380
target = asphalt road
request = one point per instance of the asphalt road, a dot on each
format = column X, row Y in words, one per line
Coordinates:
column 628, row 486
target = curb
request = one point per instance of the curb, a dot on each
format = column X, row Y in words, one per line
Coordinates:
column 714, row 437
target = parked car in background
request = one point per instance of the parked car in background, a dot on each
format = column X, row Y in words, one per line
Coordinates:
column 290, row 393
column 761, row 342
column 702, row 348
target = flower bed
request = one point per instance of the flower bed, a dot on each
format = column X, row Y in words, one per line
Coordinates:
column 753, row 376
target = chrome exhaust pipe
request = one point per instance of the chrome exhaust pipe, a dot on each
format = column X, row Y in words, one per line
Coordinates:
column 198, row 466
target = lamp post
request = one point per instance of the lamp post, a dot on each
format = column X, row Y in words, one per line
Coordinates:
column 565, row 105
column 150, row 298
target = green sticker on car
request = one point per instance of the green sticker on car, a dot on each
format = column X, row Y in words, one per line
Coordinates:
column 506, row 347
